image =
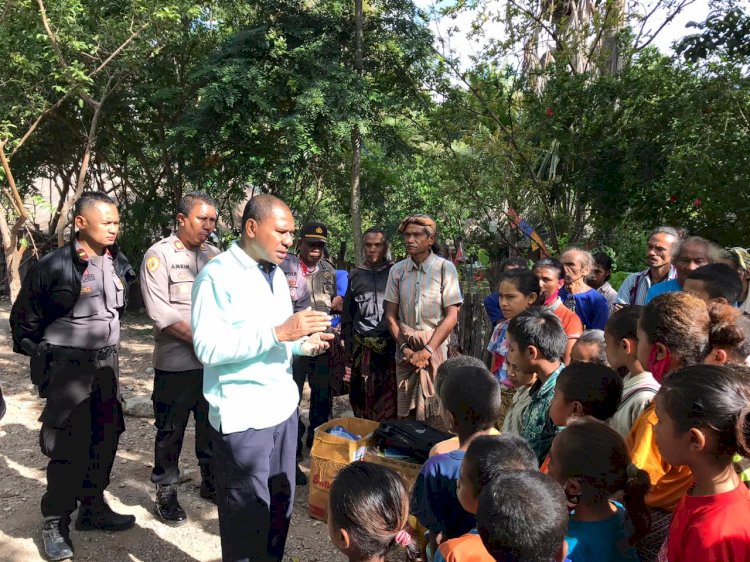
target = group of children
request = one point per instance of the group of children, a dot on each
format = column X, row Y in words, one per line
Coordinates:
column 633, row 451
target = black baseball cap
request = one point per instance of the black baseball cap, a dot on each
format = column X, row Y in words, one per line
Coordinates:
column 314, row 232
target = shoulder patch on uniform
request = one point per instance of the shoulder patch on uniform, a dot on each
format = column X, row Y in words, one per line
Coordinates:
column 179, row 245
column 82, row 254
column 152, row 263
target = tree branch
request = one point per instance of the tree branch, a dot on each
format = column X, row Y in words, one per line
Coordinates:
column 51, row 34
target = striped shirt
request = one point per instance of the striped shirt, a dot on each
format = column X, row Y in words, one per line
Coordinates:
column 636, row 285
column 423, row 291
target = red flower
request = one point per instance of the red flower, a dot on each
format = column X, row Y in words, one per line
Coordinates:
column 550, row 112
column 697, row 202
column 673, row 199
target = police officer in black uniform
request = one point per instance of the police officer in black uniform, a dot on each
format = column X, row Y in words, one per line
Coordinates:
column 67, row 318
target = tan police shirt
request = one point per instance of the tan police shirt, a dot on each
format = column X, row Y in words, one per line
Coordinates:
column 167, row 274
column 93, row 322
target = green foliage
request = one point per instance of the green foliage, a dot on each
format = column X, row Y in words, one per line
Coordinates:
column 617, row 279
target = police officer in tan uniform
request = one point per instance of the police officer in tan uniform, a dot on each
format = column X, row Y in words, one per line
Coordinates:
column 67, row 319
column 167, row 273
column 312, row 283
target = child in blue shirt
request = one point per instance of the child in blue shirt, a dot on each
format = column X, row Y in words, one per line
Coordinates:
column 470, row 404
column 591, row 462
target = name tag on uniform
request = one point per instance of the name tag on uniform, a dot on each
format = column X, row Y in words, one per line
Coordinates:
column 86, row 290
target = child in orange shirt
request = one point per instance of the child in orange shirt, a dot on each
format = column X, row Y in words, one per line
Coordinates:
column 672, row 333
column 486, row 458
column 703, row 421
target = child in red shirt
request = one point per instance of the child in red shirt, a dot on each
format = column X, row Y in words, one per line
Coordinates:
column 703, row 421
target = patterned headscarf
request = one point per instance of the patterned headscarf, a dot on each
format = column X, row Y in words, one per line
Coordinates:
column 739, row 255
column 426, row 221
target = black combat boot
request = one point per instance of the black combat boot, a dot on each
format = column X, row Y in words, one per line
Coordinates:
column 56, row 538
column 208, row 484
column 168, row 508
column 95, row 515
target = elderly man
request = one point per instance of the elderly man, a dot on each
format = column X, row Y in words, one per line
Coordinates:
column 422, row 301
column 67, row 318
column 244, row 333
column 589, row 304
column 167, row 273
column 368, row 344
column 661, row 249
column 692, row 253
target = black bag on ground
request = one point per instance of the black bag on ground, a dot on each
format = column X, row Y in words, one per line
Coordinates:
column 414, row 438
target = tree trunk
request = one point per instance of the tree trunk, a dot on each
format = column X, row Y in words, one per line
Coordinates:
column 359, row 257
column 356, row 212
column 11, row 248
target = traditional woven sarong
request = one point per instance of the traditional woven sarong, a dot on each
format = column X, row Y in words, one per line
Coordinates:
column 373, row 384
column 416, row 387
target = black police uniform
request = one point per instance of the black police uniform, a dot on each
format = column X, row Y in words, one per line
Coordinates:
column 67, row 318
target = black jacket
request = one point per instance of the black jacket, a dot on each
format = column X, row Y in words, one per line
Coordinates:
column 364, row 306
column 51, row 289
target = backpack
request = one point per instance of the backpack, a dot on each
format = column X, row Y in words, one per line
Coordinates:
column 411, row 436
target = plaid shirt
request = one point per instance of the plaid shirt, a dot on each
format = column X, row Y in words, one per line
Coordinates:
column 423, row 291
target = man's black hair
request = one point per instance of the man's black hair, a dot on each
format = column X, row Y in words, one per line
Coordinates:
column 719, row 281
column 515, row 261
column 490, row 455
column 597, row 387
column 600, row 258
column 89, row 199
column 453, row 365
column 376, row 230
column 542, row 329
column 522, row 517
column 472, row 396
column 259, row 207
column 189, row 200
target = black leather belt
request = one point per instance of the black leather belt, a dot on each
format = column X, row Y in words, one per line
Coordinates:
column 65, row 352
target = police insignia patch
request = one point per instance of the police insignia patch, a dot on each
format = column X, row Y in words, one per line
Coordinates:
column 86, row 290
column 152, row 264
column 318, row 230
column 179, row 245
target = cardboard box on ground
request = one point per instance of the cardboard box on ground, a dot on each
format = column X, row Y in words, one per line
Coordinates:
column 331, row 453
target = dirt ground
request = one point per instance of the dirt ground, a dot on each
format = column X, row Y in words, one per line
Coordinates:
column 22, row 476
